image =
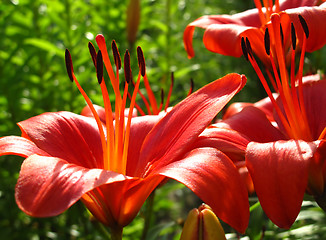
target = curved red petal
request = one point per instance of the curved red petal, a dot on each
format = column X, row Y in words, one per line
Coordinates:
column 66, row 135
column 47, row 186
column 187, row 40
column 314, row 100
column 213, row 177
column 19, row 146
column 224, row 39
column 230, row 142
column 125, row 198
column 140, row 127
column 287, row 4
column 87, row 112
column 254, row 124
column 230, row 24
column 279, row 171
column 180, row 127
column 265, row 105
column 256, row 38
column 315, row 18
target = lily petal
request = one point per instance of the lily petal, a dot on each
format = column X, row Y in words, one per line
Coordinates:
column 315, row 18
column 279, row 171
column 47, row 186
column 230, row 142
column 249, row 18
column 170, row 137
column 140, row 127
column 254, row 124
column 66, row 135
column 313, row 97
column 213, row 177
column 19, row 146
column 265, row 105
column 229, row 38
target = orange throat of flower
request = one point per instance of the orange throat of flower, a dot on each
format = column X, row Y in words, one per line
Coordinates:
column 287, row 84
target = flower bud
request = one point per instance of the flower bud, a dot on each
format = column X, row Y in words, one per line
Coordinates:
column 202, row 224
column 133, row 20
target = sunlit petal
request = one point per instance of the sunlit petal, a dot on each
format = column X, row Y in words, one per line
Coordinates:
column 279, row 171
column 213, row 177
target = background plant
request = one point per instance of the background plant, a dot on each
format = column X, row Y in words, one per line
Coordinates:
column 33, row 80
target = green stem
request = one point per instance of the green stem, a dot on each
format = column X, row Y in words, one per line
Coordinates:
column 148, row 214
column 168, row 35
column 116, row 233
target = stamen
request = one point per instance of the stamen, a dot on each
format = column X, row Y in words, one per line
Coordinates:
column 142, row 68
column 116, row 55
column 99, row 67
column 267, row 89
column 126, row 139
column 244, row 49
column 322, row 135
column 127, row 69
column 248, row 46
column 293, row 37
column 267, row 42
column 282, row 35
column 162, row 100
column 191, row 86
column 92, row 51
column 69, row 65
column 304, row 25
column 141, row 112
column 71, row 74
column 141, row 61
column 170, row 92
column 260, row 11
column 115, row 82
column 149, row 112
column 305, row 126
column 277, row 6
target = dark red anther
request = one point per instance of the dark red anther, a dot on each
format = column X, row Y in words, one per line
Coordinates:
column 141, row 61
column 304, row 25
column 282, row 34
column 116, row 54
column 127, row 68
column 162, row 96
column 248, row 46
column 92, row 51
column 267, row 42
column 293, row 37
column 99, row 67
column 172, row 79
column 191, row 87
column 69, row 66
column 244, row 48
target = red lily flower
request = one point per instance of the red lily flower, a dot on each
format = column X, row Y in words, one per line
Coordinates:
column 113, row 167
column 285, row 152
column 223, row 33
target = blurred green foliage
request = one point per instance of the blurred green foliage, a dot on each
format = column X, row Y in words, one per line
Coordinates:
column 33, row 80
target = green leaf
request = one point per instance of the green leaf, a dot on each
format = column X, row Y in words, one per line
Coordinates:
column 45, row 45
